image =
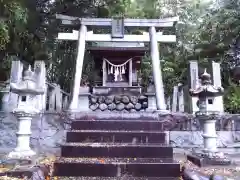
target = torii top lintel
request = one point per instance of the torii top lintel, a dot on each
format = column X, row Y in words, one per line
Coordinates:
column 165, row 22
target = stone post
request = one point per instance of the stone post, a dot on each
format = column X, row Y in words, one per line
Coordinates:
column 130, row 72
column 27, row 90
column 151, row 95
column 83, row 99
column 157, row 72
column 175, row 99
column 73, row 107
column 15, row 76
column 65, row 101
column 52, row 99
column 40, row 70
column 181, row 106
column 58, row 98
column 194, row 82
column 217, row 81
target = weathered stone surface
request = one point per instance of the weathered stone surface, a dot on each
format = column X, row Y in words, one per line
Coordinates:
column 109, row 99
column 112, row 106
column 138, row 106
column 144, row 105
column 120, row 107
column 129, row 106
column 117, row 99
column 138, row 101
column 134, row 99
column 94, row 106
column 101, row 99
column 125, row 99
column 133, row 110
column 103, row 106
column 93, row 99
column 125, row 111
column 142, row 98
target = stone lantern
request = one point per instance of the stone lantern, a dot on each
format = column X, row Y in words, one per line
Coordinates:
column 207, row 118
column 27, row 91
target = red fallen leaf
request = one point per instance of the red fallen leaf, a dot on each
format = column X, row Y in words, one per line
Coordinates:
column 102, row 161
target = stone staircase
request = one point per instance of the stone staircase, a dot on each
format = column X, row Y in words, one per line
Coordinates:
column 116, row 149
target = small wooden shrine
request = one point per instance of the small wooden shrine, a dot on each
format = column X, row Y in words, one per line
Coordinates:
column 118, row 65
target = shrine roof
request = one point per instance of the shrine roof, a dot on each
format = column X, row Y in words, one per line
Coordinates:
column 118, row 46
column 117, row 51
column 128, row 49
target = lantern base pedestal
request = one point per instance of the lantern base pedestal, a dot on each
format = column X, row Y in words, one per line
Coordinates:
column 203, row 159
column 160, row 111
column 21, row 154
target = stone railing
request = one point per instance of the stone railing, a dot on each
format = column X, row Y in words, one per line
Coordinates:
column 57, row 99
column 225, row 122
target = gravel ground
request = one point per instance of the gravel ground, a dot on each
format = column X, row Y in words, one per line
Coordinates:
column 232, row 171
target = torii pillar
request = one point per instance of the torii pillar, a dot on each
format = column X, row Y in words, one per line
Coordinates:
column 157, row 72
column 78, row 71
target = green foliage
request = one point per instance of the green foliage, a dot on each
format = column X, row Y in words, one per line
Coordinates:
column 4, row 37
column 232, row 98
column 88, row 76
column 13, row 18
column 145, row 71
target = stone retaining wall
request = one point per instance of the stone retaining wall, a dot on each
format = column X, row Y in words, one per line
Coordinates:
column 123, row 103
column 48, row 132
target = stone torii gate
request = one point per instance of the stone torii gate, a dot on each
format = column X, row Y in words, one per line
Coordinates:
column 118, row 24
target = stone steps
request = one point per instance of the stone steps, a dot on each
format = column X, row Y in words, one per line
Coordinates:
column 118, row 125
column 113, row 168
column 125, row 177
column 116, row 136
column 116, row 149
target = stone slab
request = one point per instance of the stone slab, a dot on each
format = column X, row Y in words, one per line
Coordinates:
column 116, row 136
column 201, row 161
column 115, row 169
column 97, row 150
